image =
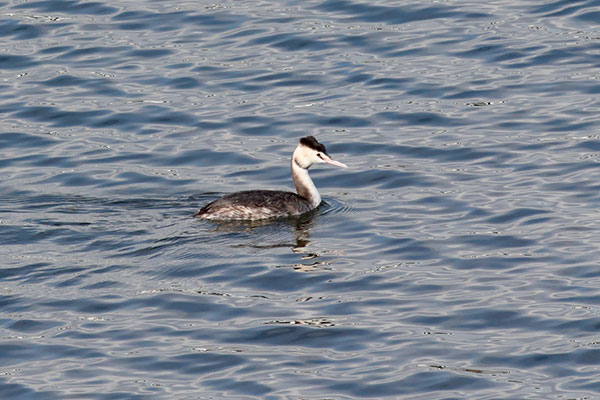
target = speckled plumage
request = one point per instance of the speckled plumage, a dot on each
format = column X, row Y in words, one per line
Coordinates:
column 255, row 204
column 264, row 204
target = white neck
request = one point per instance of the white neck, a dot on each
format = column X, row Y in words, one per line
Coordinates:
column 304, row 185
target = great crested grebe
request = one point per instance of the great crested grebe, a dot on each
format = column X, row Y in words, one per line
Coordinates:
column 263, row 204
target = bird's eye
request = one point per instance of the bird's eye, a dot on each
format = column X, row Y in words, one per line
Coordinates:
column 320, row 156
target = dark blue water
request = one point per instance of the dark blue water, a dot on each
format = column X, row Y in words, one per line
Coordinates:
column 456, row 258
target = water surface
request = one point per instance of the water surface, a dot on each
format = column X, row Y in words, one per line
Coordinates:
column 457, row 257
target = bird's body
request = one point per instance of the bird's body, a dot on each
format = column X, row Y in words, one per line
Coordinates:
column 263, row 204
column 255, row 204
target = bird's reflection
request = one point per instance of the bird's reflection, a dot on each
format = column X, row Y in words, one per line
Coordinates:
column 272, row 234
column 300, row 227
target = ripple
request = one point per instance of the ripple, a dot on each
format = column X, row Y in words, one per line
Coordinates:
column 337, row 206
column 69, row 7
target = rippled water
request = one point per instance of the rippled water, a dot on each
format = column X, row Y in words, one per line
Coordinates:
column 456, row 258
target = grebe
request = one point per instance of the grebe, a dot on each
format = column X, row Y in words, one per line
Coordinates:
column 262, row 204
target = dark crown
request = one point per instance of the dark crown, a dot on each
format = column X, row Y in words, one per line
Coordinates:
column 311, row 142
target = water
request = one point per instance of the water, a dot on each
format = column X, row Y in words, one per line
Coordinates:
column 456, row 258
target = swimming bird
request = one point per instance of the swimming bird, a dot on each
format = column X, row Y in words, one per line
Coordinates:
column 263, row 204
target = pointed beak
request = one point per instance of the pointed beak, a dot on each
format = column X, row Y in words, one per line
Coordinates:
column 333, row 162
